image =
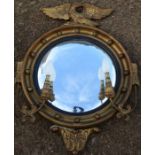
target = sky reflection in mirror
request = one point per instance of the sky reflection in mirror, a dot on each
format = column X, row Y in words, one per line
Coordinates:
column 76, row 68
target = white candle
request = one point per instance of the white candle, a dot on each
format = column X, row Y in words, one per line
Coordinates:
column 50, row 70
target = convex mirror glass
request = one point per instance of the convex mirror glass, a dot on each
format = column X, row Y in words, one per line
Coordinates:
column 77, row 69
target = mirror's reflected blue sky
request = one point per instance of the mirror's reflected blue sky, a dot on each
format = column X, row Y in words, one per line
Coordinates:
column 76, row 69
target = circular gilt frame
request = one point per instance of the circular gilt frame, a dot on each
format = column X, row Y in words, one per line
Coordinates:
column 90, row 119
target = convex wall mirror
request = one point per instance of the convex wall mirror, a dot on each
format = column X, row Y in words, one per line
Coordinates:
column 77, row 76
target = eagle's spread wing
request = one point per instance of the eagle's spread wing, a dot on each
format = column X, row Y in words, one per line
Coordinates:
column 58, row 12
column 93, row 12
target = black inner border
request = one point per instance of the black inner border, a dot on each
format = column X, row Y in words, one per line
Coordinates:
column 77, row 38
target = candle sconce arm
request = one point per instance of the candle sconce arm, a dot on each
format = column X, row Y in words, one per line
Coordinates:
column 124, row 109
column 29, row 112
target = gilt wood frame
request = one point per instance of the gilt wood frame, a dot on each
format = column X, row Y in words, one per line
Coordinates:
column 71, row 121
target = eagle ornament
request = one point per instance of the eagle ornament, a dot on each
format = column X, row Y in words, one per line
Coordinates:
column 78, row 13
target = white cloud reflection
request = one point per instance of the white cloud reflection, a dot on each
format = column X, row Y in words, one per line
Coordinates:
column 77, row 68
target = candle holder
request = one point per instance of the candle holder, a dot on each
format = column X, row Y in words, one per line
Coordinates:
column 109, row 90
column 102, row 90
column 47, row 91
